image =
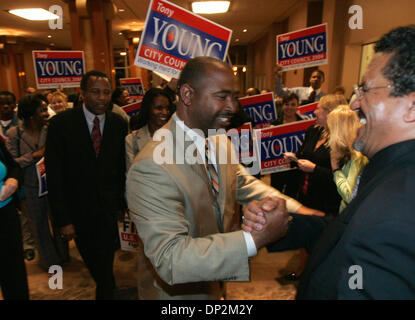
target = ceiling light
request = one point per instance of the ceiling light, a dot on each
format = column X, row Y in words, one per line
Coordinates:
column 244, row 30
column 121, row 10
column 235, row 68
column 34, row 14
column 244, row 69
column 49, row 36
column 123, row 53
column 136, row 40
column 209, row 7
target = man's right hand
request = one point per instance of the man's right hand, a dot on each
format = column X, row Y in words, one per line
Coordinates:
column 68, row 232
column 267, row 220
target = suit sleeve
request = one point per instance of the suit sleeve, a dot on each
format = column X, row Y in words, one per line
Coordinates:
column 54, row 163
column 250, row 188
column 384, row 252
column 12, row 144
column 157, row 208
column 303, row 232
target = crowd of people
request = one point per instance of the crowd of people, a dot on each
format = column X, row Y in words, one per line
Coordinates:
column 346, row 202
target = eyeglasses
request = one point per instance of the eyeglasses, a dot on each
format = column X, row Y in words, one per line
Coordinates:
column 361, row 90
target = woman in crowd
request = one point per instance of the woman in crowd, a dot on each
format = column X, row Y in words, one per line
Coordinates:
column 59, row 102
column 13, row 278
column 317, row 189
column 287, row 181
column 155, row 111
column 346, row 163
column 119, row 98
column 26, row 143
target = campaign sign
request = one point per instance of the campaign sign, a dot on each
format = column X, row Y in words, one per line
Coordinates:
column 41, row 176
column 134, row 87
column 132, row 108
column 128, row 235
column 241, row 138
column 302, row 48
column 172, row 36
column 307, row 111
column 273, row 142
column 54, row 69
column 260, row 108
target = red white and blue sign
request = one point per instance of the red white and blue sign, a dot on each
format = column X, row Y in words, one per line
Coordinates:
column 172, row 36
column 134, row 87
column 260, row 108
column 58, row 69
column 133, row 108
column 303, row 48
column 273, row 142
column 241, row 138
column 307, row 111
column 41, row 176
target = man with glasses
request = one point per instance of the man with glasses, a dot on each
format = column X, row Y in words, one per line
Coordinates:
column 368, row 252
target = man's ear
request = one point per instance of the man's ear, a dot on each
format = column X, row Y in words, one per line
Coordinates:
column 186, row 94
column 409, row 115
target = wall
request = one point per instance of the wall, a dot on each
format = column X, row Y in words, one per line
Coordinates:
column 379, row 17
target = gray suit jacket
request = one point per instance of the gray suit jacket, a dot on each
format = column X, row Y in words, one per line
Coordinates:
column 192, row 241
column 21, row 146
column 134, row 142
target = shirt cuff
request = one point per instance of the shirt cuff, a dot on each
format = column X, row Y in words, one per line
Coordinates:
column 250, row 244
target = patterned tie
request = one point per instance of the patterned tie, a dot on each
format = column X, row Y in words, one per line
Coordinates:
column 312, row 96
column 96, row 136
column 213, row 175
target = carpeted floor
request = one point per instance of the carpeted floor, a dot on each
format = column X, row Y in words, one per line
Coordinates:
column 78, row 284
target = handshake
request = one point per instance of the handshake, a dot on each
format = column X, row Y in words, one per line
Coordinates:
column 267, row 220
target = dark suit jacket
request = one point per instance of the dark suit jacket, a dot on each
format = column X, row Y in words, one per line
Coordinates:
column 83, row 189
column 322, row 191
column 375, row 232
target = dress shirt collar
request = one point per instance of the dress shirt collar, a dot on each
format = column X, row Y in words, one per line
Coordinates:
column 199, row 140
column 310, row 89
column 89, row 116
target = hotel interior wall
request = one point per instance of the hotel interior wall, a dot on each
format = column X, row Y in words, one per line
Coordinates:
column 379, row 16
column 344, row 44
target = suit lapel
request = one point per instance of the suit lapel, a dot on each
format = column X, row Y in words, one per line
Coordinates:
column 84, row 137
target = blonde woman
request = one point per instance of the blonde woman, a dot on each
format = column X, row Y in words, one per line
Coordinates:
column 316, row 188
column 346, row 163
column 58, row 102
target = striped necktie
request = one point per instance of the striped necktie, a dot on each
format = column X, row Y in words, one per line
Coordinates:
column 213, row 174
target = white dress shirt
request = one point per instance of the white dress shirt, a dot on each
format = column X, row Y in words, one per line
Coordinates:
column 89, row 116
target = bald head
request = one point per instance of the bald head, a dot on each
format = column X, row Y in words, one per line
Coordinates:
column 208, row 91
column 195, row 71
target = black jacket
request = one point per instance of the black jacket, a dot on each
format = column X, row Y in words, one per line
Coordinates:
column 83, row 189
column 375, row 232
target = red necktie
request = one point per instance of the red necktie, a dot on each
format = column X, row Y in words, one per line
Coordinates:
column 96, row 136
column 312, row 96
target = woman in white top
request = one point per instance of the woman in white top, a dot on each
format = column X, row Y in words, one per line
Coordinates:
column 155, row 111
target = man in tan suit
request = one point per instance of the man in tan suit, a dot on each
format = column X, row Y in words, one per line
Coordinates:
column 190, row 230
